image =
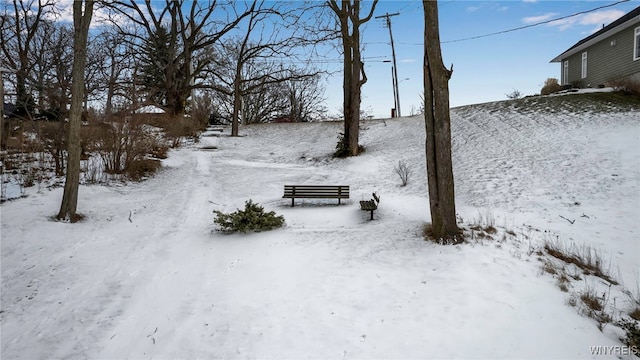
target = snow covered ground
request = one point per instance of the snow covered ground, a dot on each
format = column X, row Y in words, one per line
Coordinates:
column 146, row 274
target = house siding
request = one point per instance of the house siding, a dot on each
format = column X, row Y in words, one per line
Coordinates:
column 605, row 62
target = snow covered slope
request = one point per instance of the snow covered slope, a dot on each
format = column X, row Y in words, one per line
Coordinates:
column 146, row 275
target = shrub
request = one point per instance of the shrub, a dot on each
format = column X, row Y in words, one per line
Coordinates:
column 123, row 147
column 403, row 172
column 179, row 128
column 252, row 218
column 632, row 332
column 514, row 95
column 550, row 86
column 139, row 169
column 342, row 149
column 626, row 85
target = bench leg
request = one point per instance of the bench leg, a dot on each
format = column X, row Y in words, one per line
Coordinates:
column 292, row 201
column 371, row 214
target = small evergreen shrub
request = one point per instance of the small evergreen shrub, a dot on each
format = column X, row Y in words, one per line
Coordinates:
column 342, row 149
column 632, row 332
column 252, row 218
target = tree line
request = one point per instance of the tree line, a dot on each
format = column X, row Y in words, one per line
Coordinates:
column 163, row 53
column 173, row 54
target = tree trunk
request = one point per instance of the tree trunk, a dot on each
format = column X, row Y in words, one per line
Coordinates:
column 81, row 23
column 438, row 130
column 237, row 102
column 348, row 14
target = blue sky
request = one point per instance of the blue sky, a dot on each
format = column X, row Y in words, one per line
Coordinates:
column 485, row 69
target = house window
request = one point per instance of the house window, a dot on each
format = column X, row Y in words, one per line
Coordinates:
column 636, row 44
column 584, row 64
column 565, row 73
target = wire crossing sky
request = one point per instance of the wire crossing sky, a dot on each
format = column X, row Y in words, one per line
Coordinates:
column 496, row 47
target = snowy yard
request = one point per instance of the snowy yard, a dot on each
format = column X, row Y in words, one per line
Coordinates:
column 146, row 275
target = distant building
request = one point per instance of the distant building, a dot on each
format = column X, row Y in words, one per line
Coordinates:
column 282, row 119
column 611, row 54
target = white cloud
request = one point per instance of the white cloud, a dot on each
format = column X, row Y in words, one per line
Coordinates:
column 537, row 19
column 565, row 24
column 530, row 1
column 473, row 8
column 601, row 17
column 597, row 18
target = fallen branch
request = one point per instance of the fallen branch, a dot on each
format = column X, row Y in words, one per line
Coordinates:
column 130, row 217
column 154, row 331
column 570, row 221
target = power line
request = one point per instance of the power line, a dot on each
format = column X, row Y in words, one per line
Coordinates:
column 532, row 25
column 523, row 27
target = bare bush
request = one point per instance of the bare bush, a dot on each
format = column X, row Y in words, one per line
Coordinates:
column 550, row 86
column 122, row 145
column 403, row 171
column 53, row 136
column 177, row 129
column 141, row 168
column 514, row 95
column 626, row 85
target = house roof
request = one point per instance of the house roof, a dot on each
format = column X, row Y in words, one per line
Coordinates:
column 623, row 22
column 150, row 109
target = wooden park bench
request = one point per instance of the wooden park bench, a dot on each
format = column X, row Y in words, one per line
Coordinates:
column 316, row 192
column 370, row 205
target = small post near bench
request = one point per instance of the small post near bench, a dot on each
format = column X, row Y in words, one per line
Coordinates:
column 315, row 192
column 370, row 205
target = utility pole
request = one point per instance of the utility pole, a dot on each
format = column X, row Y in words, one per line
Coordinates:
column 387, row 17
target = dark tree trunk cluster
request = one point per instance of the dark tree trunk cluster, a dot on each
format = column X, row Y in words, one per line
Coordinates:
column 438, row 129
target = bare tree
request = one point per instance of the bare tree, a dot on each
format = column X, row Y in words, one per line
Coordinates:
column 180, row 31
column 263, row 104
column 349, row 22
column 19, row 26
column 58, row 76
column 82, row 13
column 257, row 56
column 305, row 99
column 438, row 129
column 115, row 68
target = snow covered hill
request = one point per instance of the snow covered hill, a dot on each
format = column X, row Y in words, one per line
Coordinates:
column 146, row 274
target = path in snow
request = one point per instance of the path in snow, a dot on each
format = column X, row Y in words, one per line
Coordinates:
column 331, row 284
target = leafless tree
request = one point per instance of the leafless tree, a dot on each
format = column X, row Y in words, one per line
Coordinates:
column 19, row 26
column 255, row 60
column 263, row 104
column 172, row 37
column 58, row 77
column 82, row 13
column 305, row 99
column 438, row 129
column 349, row 22
column 114, row 72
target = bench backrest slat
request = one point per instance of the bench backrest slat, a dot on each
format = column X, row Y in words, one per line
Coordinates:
column 330, row 191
